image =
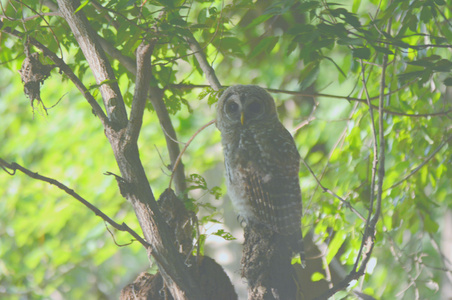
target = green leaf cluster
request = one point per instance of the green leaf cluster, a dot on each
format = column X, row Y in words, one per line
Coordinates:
column 51, row 245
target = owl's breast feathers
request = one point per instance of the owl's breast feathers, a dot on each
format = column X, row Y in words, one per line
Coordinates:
column 262, row 170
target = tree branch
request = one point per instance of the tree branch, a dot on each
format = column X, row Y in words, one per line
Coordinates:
column 98, row 62
column 186, row 146
column 415, row 170
column 134, row 186
column 66, row 70
column 156, row 98
column 121, row 227
column 327, row 190
column 368, row 239
column 381, row 137
column 347, row 98
column 374, row 171
column 203, row 63
column 142, row 82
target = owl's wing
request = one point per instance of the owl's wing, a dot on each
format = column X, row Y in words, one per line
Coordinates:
column 272, row 185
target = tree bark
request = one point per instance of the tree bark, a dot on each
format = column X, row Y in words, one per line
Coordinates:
column 267, row 265
column 122, row 136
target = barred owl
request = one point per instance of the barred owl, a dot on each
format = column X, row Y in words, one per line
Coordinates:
column 261, row 162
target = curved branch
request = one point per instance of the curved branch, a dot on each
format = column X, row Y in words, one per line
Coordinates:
column 368, row 239
column 122, row 227
column 67, row 71
column 327, row 190
column 186, row 146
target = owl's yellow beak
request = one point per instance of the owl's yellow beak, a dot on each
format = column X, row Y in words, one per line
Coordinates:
column 242, row 117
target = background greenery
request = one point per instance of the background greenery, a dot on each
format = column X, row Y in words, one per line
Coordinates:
column 53, row 246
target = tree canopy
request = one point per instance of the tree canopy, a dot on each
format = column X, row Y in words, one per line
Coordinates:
column 364, row 86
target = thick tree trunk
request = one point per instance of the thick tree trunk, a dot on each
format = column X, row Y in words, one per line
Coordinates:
column 267, row 265
column 123, row 135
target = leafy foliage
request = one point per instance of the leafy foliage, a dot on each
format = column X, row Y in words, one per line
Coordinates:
column 326, row 52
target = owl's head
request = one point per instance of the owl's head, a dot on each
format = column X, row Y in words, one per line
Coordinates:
column 242, row 105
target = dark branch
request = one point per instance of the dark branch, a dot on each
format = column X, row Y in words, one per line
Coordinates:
column 121, row 227
column 66, row 70
column 203, row 63
column 142, row 82
column 368, row 239
column 317, row 95
column 97, row 60
column 156, row 98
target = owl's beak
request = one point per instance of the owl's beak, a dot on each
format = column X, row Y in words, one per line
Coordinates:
column 242, row 117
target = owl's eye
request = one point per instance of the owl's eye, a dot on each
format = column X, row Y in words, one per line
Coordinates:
column 255, row 108
column 232, row 107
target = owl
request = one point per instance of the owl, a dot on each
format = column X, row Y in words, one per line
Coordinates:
column 261, row 162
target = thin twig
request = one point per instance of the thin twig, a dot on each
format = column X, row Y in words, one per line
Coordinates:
column 40, row 15
column 11, row 168
column 415, row 170
column 374, row 171
column 48, row 25
column 347, row 98
column 345, row 202
column 186, row 146
column 369, row 234
column 310, row 118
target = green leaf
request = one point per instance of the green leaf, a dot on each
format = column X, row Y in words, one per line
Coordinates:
column 430, row 225
column 443, row 65
column 309, row 75
column 230, row 45
column 258, row 20
column 317, row 276
column 340, row 295
column 225, row 235
column 81, row 6
column 202, row 16
column 425, row 61
column 356, row 5
column 383, row 50
column 265, row 45
column 361, row 53
column 335, row 245
column 350, row 41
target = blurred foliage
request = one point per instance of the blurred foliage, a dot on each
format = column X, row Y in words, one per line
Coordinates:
column 51, row 245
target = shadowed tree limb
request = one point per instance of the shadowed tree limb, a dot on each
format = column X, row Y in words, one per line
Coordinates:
column 122, row 227
column 66, row 70
column 156, row 98
column 135, row 188
column 203, row 63
column 347, row 98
